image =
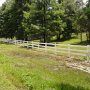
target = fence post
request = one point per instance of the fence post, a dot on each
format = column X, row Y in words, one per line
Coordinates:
column 55, row 48
column 22, row 43
column 15, row 42
column 88, row 52
column 38, row 45
column 45, row 47
column 32, row 44
column 27, row 44
column 69, row 52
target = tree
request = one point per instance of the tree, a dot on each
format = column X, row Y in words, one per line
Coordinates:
column 7, row 21
column 87, row 12
column 44, row 19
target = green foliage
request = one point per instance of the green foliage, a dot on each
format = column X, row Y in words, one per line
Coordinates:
column 44, row 19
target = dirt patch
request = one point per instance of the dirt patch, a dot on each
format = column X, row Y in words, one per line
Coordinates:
column 83, row 65
column 72, row 63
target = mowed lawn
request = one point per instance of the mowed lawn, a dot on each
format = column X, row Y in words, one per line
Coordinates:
column 27, row 69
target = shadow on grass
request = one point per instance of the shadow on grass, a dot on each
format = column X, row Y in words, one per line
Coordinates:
column 83, row 43
column 62, row 40
column 63, row 86
column 78, row 43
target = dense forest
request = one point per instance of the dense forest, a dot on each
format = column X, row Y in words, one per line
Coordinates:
column 44, row 19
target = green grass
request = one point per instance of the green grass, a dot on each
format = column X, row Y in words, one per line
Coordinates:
column 74, row 40
column 23, row 69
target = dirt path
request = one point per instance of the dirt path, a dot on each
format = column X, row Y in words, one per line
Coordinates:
column 80, row 65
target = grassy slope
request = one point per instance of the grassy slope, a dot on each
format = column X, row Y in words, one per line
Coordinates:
column 74, row 40
column 22, row 69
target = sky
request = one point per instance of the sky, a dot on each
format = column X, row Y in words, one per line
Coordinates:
column 84, row 1
column 2, row 1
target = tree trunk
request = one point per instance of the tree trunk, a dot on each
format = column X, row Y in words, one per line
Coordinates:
column 44, row 21
column 58, row 35
column 81, row 36
column 44, row 36
column 89, row 36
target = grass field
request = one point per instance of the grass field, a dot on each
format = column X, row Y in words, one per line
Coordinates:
column 74, row 40
column 25, row 69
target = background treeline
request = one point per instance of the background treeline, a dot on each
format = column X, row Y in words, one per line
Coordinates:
column 44, row 19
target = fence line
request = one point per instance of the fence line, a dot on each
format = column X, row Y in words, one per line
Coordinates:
column 56, row 48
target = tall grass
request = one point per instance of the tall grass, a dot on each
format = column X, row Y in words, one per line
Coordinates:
column 25, row 69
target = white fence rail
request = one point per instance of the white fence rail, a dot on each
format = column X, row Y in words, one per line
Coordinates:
column 68, row 49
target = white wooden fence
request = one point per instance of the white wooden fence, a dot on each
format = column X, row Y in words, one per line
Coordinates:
column 70, row 50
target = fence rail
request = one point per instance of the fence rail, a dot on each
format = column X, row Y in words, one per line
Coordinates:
column 56, row 48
